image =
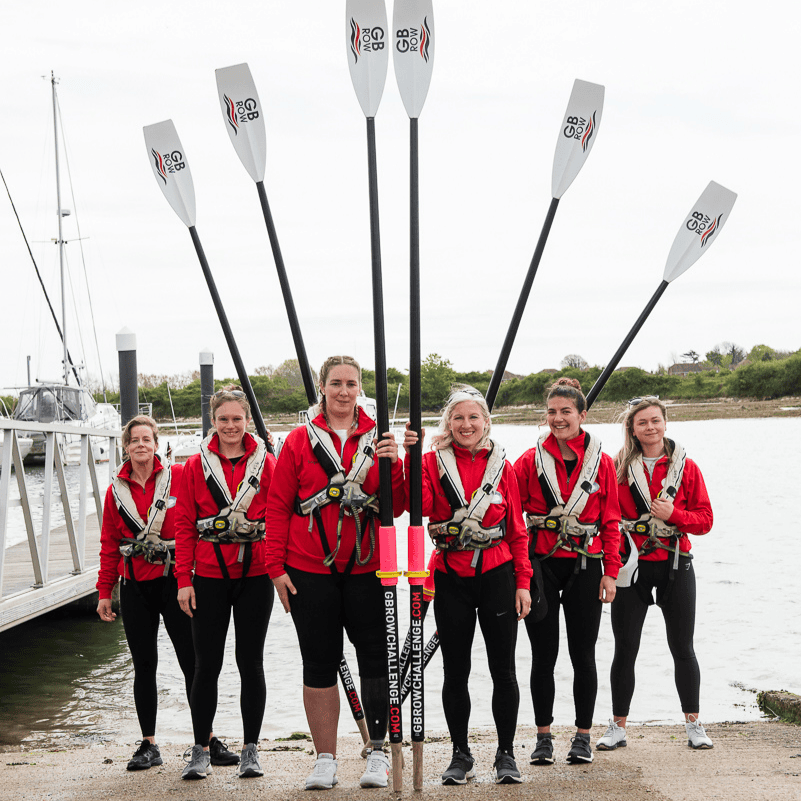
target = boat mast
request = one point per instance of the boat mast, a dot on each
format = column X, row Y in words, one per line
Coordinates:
column 60, row 237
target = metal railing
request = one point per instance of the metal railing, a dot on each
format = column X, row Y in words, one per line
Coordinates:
column 89, row 491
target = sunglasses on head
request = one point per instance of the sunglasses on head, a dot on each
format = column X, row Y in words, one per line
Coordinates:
column 635, row 401
column 236, row 393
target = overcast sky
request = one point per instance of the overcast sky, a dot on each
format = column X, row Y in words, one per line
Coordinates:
column 694, row 92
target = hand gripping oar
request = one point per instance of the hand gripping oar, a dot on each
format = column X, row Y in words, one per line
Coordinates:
column 168, row 160
column 367, row 43
column 576, row 137
column 243, row 115
column 699, row 230
column 413, row 57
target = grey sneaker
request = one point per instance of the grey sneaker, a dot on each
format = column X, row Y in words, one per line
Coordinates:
column 505, row 768
column 249, row 762
column 146, row 756
column 615, row 737
column 461, row 769
column 199, row 763
column 377, row 770
column 580, row 752
column 324, row 775
column 696, row 736
column 543, row 753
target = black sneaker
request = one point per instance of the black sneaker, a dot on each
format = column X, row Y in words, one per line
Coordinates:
column 543, row 753
column 220, row 755
column 580, row 752
column 146, row 756
column 506, row 771
column 461, row 769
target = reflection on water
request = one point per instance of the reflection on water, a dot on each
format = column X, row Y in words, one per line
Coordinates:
column 71, row 678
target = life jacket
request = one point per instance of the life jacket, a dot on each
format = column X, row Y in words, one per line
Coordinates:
column 563, row 517
column 343, row 489
column 660, row 534
column 464, row 531
column 146, row 541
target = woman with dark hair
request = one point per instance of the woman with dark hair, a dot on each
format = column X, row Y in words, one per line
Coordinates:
column 663, row 499
column 137, row 544
column 220, row 539
column 482, row 571
column 569, row 491
column 322, row 555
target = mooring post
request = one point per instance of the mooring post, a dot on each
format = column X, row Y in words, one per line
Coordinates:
column 206, row 387
column 129, row 391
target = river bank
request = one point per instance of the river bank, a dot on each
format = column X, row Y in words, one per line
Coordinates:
column 750, row 762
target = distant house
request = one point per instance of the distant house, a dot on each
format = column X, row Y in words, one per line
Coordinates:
column 686, row 368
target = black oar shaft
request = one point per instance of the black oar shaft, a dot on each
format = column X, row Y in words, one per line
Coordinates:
column 415, row 404
column 610, row 368
column 506, row 350
column 258, row 420
column 294, row 325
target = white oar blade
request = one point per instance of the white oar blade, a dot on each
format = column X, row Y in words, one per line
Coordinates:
column 577, row 135
column 367, row 46
column 244, row 117
column 171, row 169
column 413, row 51
column 699, row 229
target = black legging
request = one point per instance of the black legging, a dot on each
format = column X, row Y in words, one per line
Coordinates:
column 326, row 605
column 582, row 621
column 628, row 615
column 142, row 604
column 251, row 599
column 490, row 597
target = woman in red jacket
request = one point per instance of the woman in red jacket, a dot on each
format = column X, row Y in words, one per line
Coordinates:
column 569, row 492
column 220, row 535
column 663, row 499
column 482, row 571
column 137, row 543
column 322, row 555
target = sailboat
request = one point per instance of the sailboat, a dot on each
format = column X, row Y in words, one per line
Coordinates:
column 64, row 402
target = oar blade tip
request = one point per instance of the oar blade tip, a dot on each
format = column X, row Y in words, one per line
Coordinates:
column 367, row 46
column 244, row 117
column 413, row 51
column 170, row 167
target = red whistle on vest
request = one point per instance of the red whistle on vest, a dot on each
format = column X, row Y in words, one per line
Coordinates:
column 388, row 551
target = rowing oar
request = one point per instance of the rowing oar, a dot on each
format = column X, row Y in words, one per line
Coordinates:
column 171, row 169
column 413, row 57
column 698, row 231
column 367, row 43
column 244, row 120
column 576, row 137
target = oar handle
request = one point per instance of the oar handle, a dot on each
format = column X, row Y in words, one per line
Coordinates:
column 497, row 376
column 610, row 368
column 415, row 403
column 258, row 420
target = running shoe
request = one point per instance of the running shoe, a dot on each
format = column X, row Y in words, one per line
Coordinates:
column 199, row 763
column 324, row 775
column 505, row 768
column 581, row 751
column 377, row 770
column 461, row 769
column 615, row 737
column 249, row 763
column 146, row 756
column 696, row 736
column 220, row 755
column 543, row 753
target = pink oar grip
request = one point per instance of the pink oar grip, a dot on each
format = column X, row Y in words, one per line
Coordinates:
column 417, row 554
column 388, row 555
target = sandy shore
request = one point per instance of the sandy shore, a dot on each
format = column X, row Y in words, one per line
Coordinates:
column 750, row 762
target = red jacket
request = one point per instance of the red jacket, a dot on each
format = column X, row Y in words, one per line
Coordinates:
column 692, row 512
column 195, row 502
column 299, row 475
column 112, row 565
column 602, row 506
column 514, row 545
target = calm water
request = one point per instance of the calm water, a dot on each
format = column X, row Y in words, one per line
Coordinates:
column 73, row 678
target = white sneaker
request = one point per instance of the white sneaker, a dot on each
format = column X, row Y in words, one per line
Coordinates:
column 696, row 736
column 377, row 770
column 324, row 775
column 615, row 737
